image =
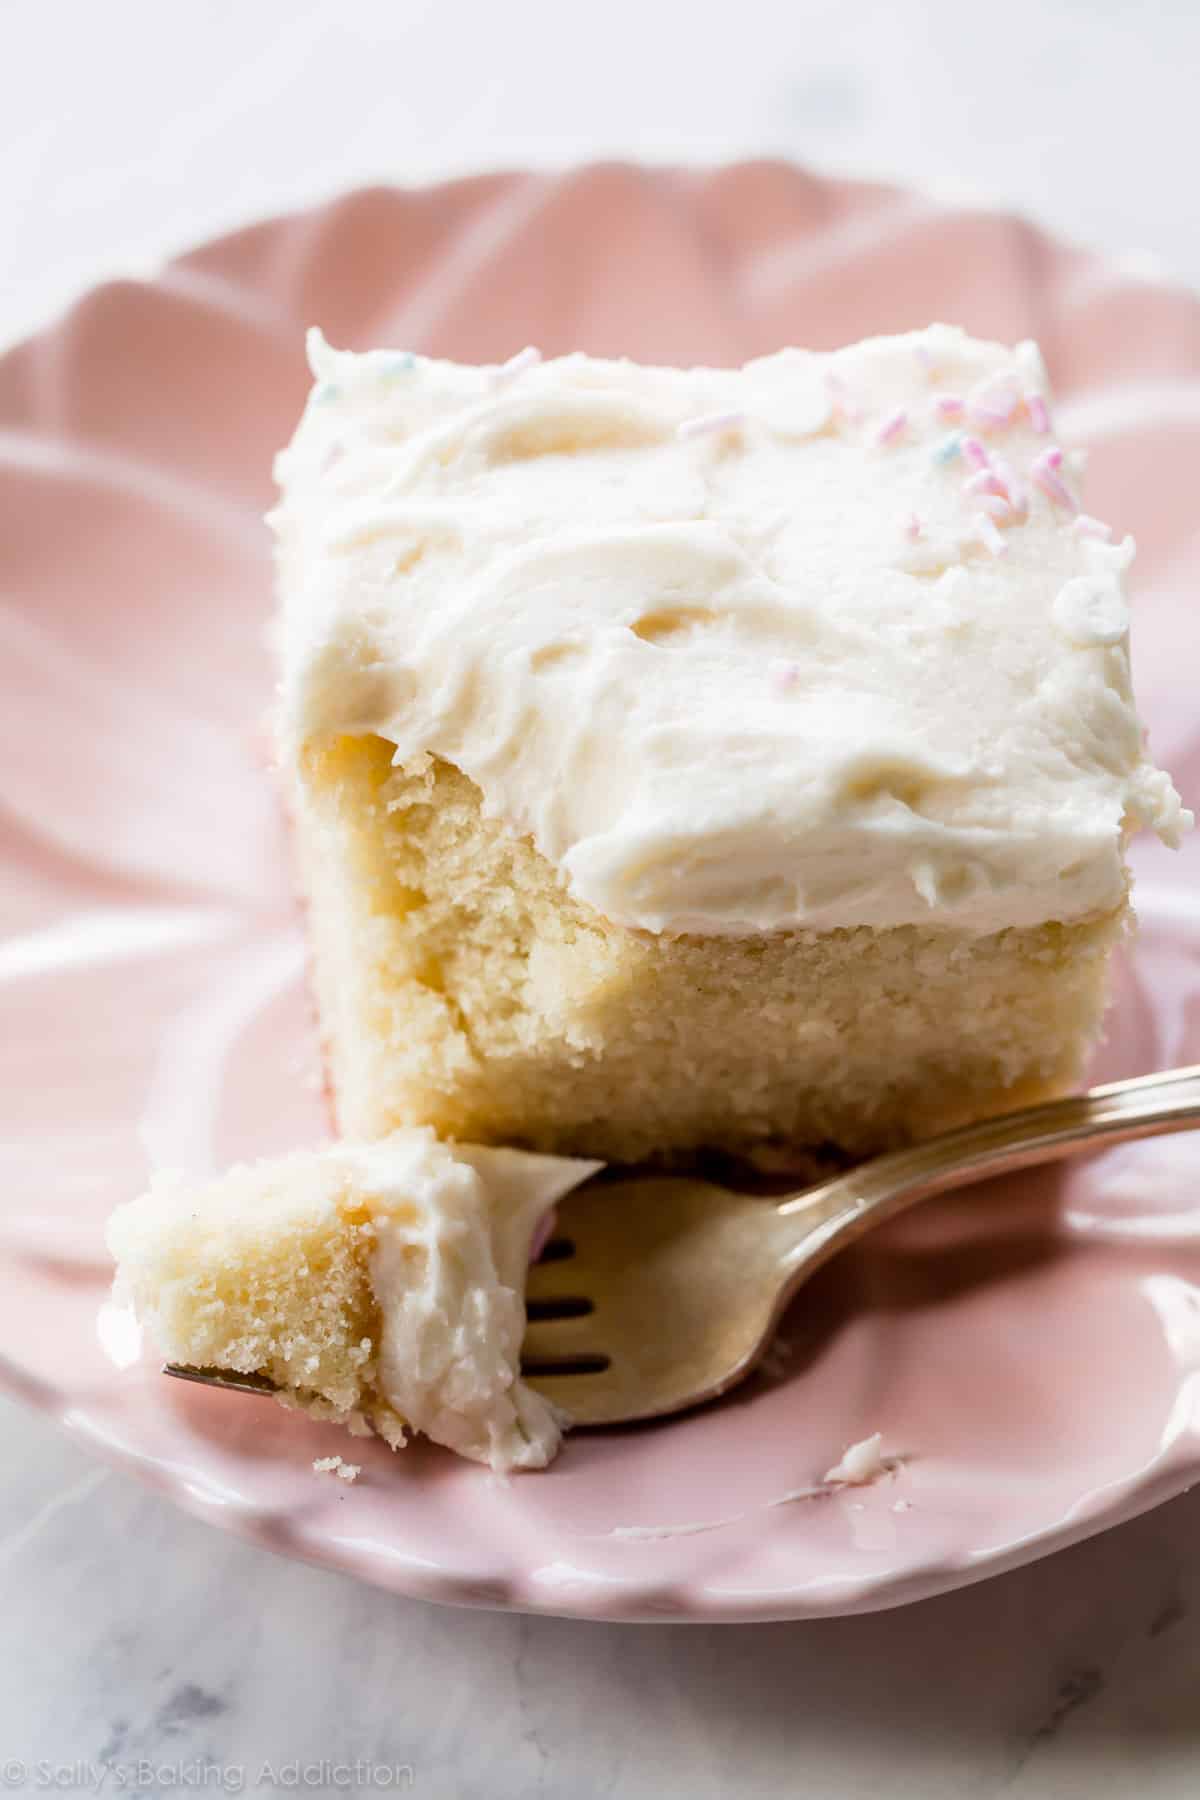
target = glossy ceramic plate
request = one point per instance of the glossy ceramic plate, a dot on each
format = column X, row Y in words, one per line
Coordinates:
column 1032, row 1348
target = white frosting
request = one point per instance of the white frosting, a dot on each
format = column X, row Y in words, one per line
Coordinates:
column 1090, row 611
column 860, row 1463
column 739, row 649
column 453, row 1232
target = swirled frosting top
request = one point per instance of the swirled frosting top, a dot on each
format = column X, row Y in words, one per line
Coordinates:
column 822, row 641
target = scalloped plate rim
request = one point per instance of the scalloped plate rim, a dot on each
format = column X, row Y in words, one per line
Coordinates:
column 1163, row 1477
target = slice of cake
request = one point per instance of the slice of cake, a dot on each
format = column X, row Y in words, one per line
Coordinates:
column 688, row 758
column 380, row 1285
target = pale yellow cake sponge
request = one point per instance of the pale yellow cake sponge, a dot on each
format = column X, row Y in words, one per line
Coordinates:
column 461, row 985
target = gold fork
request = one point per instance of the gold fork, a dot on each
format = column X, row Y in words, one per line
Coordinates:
column 658, row 1292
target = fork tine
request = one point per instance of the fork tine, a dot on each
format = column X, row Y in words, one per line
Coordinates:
column 564, row 1280
column 229, row 1379
column 553, row 1340
column 592, row 1398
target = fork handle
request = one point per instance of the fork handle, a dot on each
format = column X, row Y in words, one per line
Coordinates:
column 1146, row 1107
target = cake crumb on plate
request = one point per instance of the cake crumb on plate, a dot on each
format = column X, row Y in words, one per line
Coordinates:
column 334, row 1465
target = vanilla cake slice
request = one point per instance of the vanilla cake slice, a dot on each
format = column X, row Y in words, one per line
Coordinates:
column 701, row 757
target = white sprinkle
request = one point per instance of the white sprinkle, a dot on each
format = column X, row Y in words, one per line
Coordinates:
column 989, row 534
column 1015, row 493
column 1086, row 526
column 528, row 358
column 716, row 423
column 996, row 506
column 333, row 1465
column 901, row 1506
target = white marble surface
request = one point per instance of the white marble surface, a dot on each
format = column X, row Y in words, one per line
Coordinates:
column 128, row 1632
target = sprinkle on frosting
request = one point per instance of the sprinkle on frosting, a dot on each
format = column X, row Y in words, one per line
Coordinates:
column 913, row 526
column 1039, row 416
column 1044, row 471
column 949, row 449
column 985, row 481
column 714, row 424
column 991, row 405
column 990, row 533
column 949, row 406
column 975, row 454
column 402, row 363
column 1014, row 489
column 528, row 358
column 893, row 427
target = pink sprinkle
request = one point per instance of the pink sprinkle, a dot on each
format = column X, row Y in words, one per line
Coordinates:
column 990, row 535
column 949, row 406
column 893, row 427
column 975, row 453
column 1039, row 418
column 913, row 527
column 1086, row 526
column 1044, row 471
column 985, row 481
column 527, row 358
column 706, row 423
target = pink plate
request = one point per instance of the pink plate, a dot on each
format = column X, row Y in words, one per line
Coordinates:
column 1033, row 1348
